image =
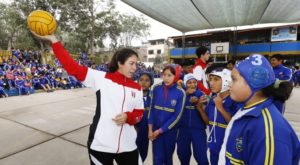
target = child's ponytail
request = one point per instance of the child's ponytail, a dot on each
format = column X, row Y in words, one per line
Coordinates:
column 280, row 90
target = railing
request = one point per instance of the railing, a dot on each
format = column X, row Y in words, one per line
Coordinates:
column 292, row 47
column 6, row 54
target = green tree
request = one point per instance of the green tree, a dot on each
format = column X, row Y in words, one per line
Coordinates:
column 133, row 27
column 82, row 24
column 11, row 24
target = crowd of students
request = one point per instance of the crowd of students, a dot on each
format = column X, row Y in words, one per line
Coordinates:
column 238, row 104
column 25, row 77
column 242, row 106
column 22, row 73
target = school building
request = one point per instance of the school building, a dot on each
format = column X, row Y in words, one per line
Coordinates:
column 240, row 42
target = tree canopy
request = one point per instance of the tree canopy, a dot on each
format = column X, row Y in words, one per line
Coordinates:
column 83, row 25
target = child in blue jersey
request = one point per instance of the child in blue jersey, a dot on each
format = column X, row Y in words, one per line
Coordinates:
column 20, row 85
column 218, row 111
column 296, row 76
column 187, row 67
column 191, row 126
column 146, row 81
column 45, row 83
column 28, row 84
column 282, row 73
column 36, row 82
column 53, row 82
column 258, row 133
column 167, row 102
column 2, row 85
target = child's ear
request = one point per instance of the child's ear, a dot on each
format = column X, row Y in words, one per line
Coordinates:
column 180, row 83
column 119, row 64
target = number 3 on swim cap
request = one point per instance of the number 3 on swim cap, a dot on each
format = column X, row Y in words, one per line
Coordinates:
column 257, row 59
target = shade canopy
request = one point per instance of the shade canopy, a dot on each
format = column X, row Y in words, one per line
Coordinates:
column 192, row 15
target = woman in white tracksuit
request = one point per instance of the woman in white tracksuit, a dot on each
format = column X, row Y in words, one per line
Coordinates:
column 119, row 105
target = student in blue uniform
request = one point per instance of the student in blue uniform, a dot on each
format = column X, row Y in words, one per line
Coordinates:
column 186, row 67
column 45, row 83
column 218, row 111
column 28, row 84
column 2, row 86
column 167, row 102
column 36, row 82
column 191, row 126
column 296, row 76
column 20, row 85
column 282, row 73
column 258, row 133
column 53, row 82
column 146, row 81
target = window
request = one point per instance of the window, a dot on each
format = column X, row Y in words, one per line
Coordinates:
column 150, row 52
column 158, row 51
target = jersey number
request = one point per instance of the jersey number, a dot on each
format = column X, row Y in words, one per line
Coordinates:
column 257, row 60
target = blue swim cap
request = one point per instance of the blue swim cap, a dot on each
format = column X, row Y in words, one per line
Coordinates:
column 150, row 75
column 257, row 72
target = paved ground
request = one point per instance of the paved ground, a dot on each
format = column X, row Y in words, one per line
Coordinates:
column 52, row 128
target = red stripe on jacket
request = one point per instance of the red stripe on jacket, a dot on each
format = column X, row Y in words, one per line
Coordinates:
column 203, row 65
column 135, row 116
column 80, row 72
column 71, row 66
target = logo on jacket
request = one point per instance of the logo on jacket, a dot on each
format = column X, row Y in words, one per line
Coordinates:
column 173, row 102
column 133, row 94
column 281, row 74
column 239, row 144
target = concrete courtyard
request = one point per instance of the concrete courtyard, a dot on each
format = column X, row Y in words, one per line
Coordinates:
column 52, row 128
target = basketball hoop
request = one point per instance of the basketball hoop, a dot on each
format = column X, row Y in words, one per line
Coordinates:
column 219, row 49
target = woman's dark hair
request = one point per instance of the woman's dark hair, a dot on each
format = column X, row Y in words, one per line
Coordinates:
column 172, row 69
column 201, row 51
column 282, row 93
column 120, row 56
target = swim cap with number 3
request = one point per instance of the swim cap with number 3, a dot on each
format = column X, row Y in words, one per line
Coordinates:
column 257, row 71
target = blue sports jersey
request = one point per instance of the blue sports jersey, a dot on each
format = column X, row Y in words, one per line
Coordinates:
column 44, row 80
column 261, row 136
column 166, row 106
column 297, row 76
column 215, row 139
column 142, row 139
column 1, row 72
column 191, row 136
column 35, row 80
column 191, row 117
column 282, row 73
column 1, row 84
column 147, row 100
column 20, row 83
column 2, row 92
